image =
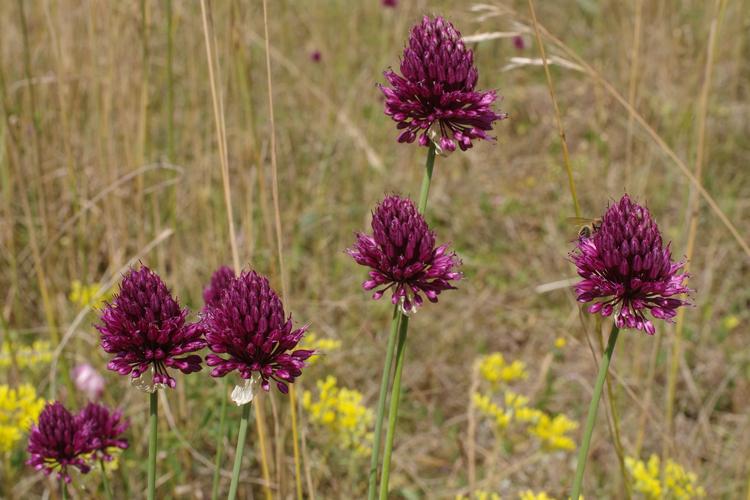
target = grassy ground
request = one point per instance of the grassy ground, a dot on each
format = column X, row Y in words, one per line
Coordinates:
column 110, row 155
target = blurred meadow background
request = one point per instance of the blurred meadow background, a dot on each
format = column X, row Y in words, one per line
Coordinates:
column 110, row 156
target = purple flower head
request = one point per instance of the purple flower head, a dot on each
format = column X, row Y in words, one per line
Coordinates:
column 315, row 56
column 625, row 263
column 59, row 440
column 145, row 328
column 249, row 326
column 106, row 428
column 435, row 94
column 389, row 3
column 401, row 254
column 88, row 380
column 220, row 280
column 518, row 42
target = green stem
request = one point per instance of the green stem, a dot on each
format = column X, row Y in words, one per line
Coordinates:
column 105, row 481
column 427, row 179
column 373, row 476
column 64, row 489
column 400, row 321
column 593, row 408
column 393, row 411
column 220, row 441
column 152, row 416
column 238, row 454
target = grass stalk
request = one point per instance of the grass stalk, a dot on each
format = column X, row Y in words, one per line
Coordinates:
column 384, row 382
column 153, row 412
column 218, row 109
column 105, row 481
column 279, row 245
column 588, row 429
column 693, row 209
column 220, row 440
column 241, row 438
column 558, row 119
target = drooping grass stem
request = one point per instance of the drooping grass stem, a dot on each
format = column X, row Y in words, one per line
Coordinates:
column 403, row 326
column 153, row 412
column 583, row 451
column 384, row 382
column 220, row 440
column 241, row 438
column 105, row 481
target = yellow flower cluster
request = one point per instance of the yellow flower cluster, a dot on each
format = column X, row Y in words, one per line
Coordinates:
column 678, row 484
column 86, row 295
column 560, row 342
column 551, row 431
column 341, row 412
column 39, row 352
column 495, row 370
column 19, row 408
column 530, row 495
column 319, row 345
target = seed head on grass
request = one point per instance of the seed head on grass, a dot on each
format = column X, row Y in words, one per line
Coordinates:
column 60, row 440
column 106, row 427
column 145, row 328
column 402, row 255
column 625, row 263
column 435, row 96
column 250, row 327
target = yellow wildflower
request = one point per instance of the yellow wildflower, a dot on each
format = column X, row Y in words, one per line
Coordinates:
column 485, row 405
column 27, row 356
column 552, row 431
column 341, row 412
column 494, row 369
column 319, row 345
column 560, row 342
column 678, row 483
column 530, row 495
column 19, row 408
column 86, row 295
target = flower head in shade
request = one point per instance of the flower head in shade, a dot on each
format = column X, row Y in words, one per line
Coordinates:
column 220, row 280
column 88, row 380
column 389, row 3
column 145, row 328
column 435, row 96
column 106, row 428
column 249, row 326
column 60, row 440
column 518, row 42
column 402, row 255
column 316, row 56
column 627, row 270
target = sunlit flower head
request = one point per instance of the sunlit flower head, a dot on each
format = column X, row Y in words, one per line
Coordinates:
column 58, row 441
column 435, row 96
column 625, row 264
column 249, row 326
column 402, row 256
column 145, row 329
